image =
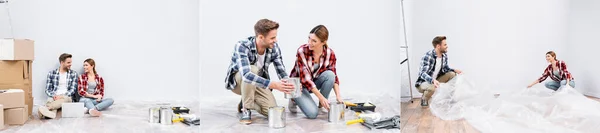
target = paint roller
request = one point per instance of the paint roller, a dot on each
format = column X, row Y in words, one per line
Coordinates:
column 368, row 117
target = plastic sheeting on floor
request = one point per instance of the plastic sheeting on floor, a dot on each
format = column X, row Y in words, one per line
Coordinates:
column 220, row 115
column 131, row 117
column 522, row 110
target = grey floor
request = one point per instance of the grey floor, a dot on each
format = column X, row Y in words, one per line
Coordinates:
column 220, row 115
column 128, row 117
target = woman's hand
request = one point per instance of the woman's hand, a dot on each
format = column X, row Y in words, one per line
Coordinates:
column 324, row 102
column 98, row 98
column 339, row 99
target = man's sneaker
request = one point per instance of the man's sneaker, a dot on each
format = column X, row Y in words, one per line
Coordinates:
column 292, row 106
column 46, row 113
column 245, row 117
column 239, row 108
column 424, row 102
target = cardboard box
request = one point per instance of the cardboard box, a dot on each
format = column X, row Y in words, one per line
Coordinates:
column 15, row 72
column 16, row 116
column 12, row 98
column 28, row 93
column 1, row 117
column 16, row 49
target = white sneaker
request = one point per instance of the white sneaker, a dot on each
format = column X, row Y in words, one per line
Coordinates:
column 45, row 112
column 292, row 106
column 323, row 110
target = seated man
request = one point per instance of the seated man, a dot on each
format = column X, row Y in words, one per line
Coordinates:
column 60, row 87
column 434, row 69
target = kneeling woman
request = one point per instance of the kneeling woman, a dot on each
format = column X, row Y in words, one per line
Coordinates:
column 557, row 71
column 315, row 66
column 91, row 88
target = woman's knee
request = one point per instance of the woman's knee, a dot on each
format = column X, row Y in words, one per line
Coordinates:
column 328, row 74
column 109, row 100
column 311, row 114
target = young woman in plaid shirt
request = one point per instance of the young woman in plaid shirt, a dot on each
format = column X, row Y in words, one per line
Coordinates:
column 91, row 88
column 315, row 66
column 557, row 71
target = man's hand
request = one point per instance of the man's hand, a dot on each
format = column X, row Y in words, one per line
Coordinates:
column 458, row 71
column 436, row 83
column 286, row 88
column 57, row 97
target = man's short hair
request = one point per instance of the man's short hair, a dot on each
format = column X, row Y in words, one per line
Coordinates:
column 264, row 26
column 438, row 40
column 64, row 57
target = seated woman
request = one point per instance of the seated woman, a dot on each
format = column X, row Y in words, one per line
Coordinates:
column 315, row 66
column 91, row 88
column 557, row 71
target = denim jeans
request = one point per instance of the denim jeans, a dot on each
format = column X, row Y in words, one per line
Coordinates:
column 91, row 103
column 553, row 85
column 305, row 102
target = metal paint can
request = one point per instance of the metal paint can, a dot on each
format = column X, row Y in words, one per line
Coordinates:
column 166, row 116
column 336, row 112
column 277, row 117
column 297, row 88
column 154, row 115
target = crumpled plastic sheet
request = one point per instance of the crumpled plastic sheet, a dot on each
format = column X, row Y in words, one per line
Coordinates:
column 219, row 116
column 519, row 110
column 129, row 117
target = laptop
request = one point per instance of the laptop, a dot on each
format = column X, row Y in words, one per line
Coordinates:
column 73, row 110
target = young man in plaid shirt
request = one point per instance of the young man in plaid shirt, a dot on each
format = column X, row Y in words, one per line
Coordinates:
column 248, row 74
column 434, row 69
column 61, row 85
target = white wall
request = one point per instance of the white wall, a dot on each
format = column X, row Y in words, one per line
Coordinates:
column 364, row 35
column 582, row 46
column 499, row 44
column 114, row 33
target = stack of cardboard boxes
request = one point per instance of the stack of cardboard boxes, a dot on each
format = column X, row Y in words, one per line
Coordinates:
column 16, row 100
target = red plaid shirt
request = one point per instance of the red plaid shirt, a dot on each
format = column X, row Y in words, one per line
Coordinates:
column 563, row 72
column 304, row 66
column 83, row 85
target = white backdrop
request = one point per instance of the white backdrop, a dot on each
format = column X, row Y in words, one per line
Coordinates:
column 582, row 46
column 144, row 49
column 498, row 44
column 364, row 34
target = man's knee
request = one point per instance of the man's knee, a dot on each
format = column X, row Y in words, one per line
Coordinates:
column 254, row 69
column 451, row 74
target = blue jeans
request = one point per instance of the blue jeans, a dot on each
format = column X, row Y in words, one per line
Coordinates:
column 553, row 85
column 91, row 103
column 324, row 84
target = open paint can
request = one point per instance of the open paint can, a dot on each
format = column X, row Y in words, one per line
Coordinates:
column 277, row 117
column 154, row 115
column 336, row 112
column 166, row 116
column 297, row 88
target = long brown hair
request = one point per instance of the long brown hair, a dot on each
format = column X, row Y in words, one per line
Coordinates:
column 551, row 53
column 321, row 32
column 92, row 63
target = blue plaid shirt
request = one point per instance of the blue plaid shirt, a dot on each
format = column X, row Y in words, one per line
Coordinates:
column 428, row 66
column 244, row 55
column 52, row 82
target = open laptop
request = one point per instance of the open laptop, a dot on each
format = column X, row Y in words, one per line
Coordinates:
column 73, row 110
